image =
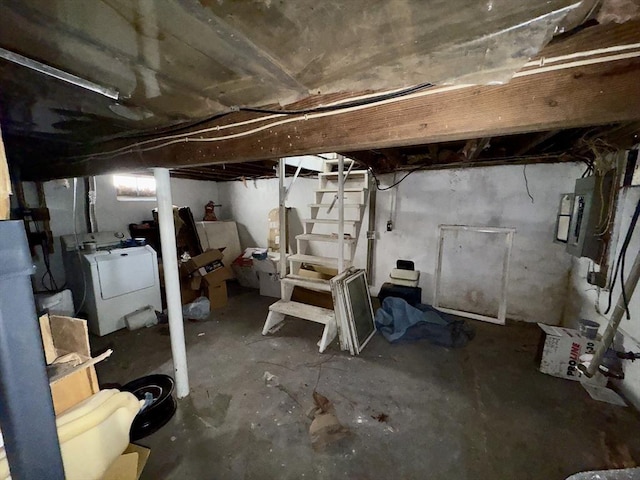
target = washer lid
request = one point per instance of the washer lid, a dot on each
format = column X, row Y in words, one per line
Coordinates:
column 124, row 271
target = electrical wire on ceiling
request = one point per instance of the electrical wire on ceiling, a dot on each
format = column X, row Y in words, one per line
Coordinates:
column 375, row 97
column 162, row 130
column 354, row 103
column 395, row 184
column 347, row 104
column 350, row 105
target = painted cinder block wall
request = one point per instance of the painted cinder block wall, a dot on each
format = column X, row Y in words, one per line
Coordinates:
column 483, row 196
column 111, row 214
column 586, row 301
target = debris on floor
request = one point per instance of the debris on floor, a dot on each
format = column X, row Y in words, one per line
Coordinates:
column 270, row 380
column 381, row 417
column 604, row 394
column 325, row 430
column 399, row 321
column 197, row 310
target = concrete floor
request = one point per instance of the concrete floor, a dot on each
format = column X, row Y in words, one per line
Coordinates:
column 480, row 412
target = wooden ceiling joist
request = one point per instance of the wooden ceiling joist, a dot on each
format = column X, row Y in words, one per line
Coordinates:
column 579, row 89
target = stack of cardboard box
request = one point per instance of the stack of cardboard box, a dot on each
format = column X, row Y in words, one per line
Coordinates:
column 205, row 274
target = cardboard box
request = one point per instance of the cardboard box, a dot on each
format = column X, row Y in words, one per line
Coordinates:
column 187, row 294
column 269, row 284
column 312, row 297
column 205, row 274
column 246, row 274
column 217, row 295
column 203, row 260
column 560, row 351
column 244, row 270
column 129, row 465
column 266, row 266
column 207, row 266
column 218, row 276
column 69, row 383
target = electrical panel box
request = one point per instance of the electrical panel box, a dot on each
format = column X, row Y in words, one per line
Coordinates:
column 583, row 217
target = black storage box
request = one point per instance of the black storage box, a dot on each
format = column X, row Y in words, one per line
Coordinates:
column 412, row 295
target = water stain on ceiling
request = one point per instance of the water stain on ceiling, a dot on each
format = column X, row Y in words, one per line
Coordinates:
column 175, row 61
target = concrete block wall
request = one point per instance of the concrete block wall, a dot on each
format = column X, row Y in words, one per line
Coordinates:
column 588, row 302
column 111, row 214
column 487, row 196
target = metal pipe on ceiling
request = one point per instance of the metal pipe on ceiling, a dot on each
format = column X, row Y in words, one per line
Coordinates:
column 59, row 74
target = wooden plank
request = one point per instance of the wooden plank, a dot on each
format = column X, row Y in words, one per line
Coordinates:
column 50, row 352
column 302, row 310
column 542, row 98
column 73, row 389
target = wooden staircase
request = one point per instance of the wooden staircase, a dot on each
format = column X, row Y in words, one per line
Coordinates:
column 326, row 229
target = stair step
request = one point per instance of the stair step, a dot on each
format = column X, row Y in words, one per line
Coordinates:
column 315, row 260
column 335, row 205
column 317, row 237
column 302, row 310
column 353, row 172
column 330, row 221
column 346, row 190
column 309, row 283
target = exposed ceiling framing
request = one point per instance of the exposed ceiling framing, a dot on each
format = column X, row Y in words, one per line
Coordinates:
column 573, row 84
column 581, row 89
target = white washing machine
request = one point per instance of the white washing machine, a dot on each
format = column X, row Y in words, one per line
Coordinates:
column 111, row 282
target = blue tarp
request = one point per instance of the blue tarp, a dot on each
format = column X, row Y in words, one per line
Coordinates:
column 398, row 321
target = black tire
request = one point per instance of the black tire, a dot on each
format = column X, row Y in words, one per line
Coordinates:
column 156, row 415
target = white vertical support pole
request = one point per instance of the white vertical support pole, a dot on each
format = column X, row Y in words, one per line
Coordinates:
column 340, row 213
column 172, row 280
column 282, row 216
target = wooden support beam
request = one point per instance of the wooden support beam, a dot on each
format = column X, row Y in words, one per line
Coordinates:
column 580, row 91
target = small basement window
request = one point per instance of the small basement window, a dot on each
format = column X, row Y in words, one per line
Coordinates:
column 135, row 187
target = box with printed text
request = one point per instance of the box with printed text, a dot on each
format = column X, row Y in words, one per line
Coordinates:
column 560, row 351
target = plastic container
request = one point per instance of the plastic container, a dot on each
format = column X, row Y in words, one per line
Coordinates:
column 60, row 303
column 143, row 317
column 589, row 328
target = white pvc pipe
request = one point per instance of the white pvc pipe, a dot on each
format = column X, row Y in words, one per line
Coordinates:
column 172, row 280
column 341, row 213
column 283, row 241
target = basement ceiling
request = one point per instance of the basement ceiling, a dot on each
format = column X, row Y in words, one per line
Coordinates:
column 179, row 62
column 173, row 61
